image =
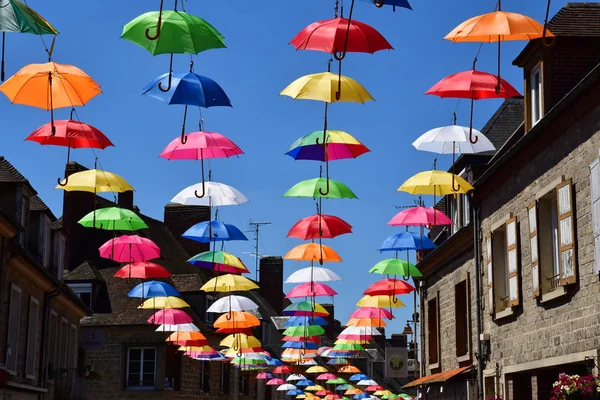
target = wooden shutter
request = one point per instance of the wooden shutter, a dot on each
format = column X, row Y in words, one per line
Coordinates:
column 534, row 247
column 595, row 189
column 512, row 262
column 490, row 273
column 14, row 323
column 566, row 233
column 32, row 334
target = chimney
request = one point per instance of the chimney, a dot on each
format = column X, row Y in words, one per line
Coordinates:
column 179, row 218
column 380, row 339
column 398, row 340
column 330, row 327
column 271, row 281
column 125, row 200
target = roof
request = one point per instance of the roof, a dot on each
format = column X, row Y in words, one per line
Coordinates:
column 437, row 378
column 576, row 19
column 84, row 272
column 187, row 282
column 9, row 174
column 504, row 122
column 279, row 322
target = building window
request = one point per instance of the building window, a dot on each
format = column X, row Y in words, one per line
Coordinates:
column 536, row 94
column 83, row 291
column 141, row 368
column 208, row 316
column 14, row 322
column 433, row 332
column 225, row 377
column 59, row 255
column 52, row 345
column 173, row 360
column 459, row 211
column 44, row 240
column 462, row 311
column 503, row 260
column 244, row 383
column 74, row 344
column 205, row 376
column 23, row 216
column 32, row 333
column 466, row 210
column 62, row 350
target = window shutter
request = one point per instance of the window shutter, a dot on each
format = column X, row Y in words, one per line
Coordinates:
column 14, row 322
column 595, row 187
column 512, row 254
column 566, row 233
column 534, row 247
column 490, row 273
column 32, row 333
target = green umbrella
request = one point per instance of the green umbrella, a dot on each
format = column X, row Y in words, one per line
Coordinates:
column 404, row 396
column 337, row 381
column 348, row 346
column 395, row 266
column 113, row 218
column 321, row 187
column 304, row 331
column 17, row 17
column 390, row 396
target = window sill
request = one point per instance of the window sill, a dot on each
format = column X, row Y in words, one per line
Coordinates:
column 555, row 294
column 461, row 359
column 27, row 387
column 504, row 313
column 434, row 366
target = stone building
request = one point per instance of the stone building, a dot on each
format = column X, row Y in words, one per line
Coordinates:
column 39, row 315
column 537, row 212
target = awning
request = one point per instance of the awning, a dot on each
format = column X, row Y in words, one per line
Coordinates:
column 436, row 378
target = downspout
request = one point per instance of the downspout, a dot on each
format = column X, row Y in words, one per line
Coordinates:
column 43, row 368
column 422, row 333
column 476, row 256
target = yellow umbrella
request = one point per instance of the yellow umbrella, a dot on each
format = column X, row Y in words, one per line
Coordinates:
column 157, row 303
column 317, row 369
column 94, row 181
column 437, row 183
column 228, row 283
column 240, row 340
column 380, row 302
column 324, row 87
column 196, row 348
column 352, row 341
column 314, row 388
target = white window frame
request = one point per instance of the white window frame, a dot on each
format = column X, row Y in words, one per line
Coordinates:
column 10, row 328
column 141, row 368
column 539, row 90
column 500, row 260
column 80, row 288
column 30, row 364
column 208, row 301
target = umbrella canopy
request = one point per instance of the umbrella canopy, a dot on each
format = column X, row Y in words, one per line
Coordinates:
column 305, row 321
column 305, row 308
column 264, row 375
column 377, row 322
column 157, row 303
column 302, row 331
column 129, row 248
column 439, row 183
column 17, row 17
column 313, row 274
column 285, row 387
column 294, row 392
column 453, row 139
column 179, row 33
column 94, row 181
column 113, row 219
column 217, row 194
column 238, row 319
column 313, row 252
column 420, row 216
column 349, row 369
column 146, row 290
column 310, row 289
column 359, row 377
column 373, row 388
column 340, row 35
column 295, row 377
column 319, row 226
column 344, row 386
column 245, row 331
column 305, row 382
column 170, row 316
column 336, row 381
column 275, row 381
column 380, row 302
column 313, row 188
column 395, row 266
column 324, row 87
column 283, row 369
column 240, row 341
column 353, row 391
column 220, row 261
column 228, row 283
column 371, row 312
column 186, row 335
column 340, row 145
column 233, row 303
column 326, row 376
column 474, row 85
column 142, row 270
column 352, row 330
column 209, row 231
column 201, row 145
column 33, row 86
column 389, row 287
column 314, row 388
column 367, row 382
column 70, row 133
column 178, row 328
column 317, row 369
column 188, row 88
column 407, row 241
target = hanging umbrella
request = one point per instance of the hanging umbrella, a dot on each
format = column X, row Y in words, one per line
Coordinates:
column 216, row 194
column 395, row 266
column 113, row 219
column 420, row 216
column 129, row 248
column 353, row 391
column 313, row 252
column 209, row 231
column 163, row 302
column 407, row 241
column 304, row 321
column 295, row 377
column 349, row 369
column 186, row 335
column 305, row 382
column 94, row 181
column 188, row 88
column 303, row 331
column 219, row 261
column 284, row 369
column 239, row 340
column 317, row 369
column 336, row 381
column 310, row 289
column 233, row 303
column 340, row 145
column 324, row 87
column 305, row 308
column 178, row 328
column 313, row 274
column 142, row 270
column 286, row 386
column 151, row 289
column 373, row 388
column 319, row 226
column 33, row 86
column 264, row 375
column 338, row 361
column 245, row 331
column 377, row 322
column 314, row 388
column 275, row 382
column 229, row 283
column 389, row 287
column 321, row 187
column 382, row 392
column 326, row 376
column 170, row 316
column 405, row 396
column 344, row 386
column 294, row 392
column 371, row 312
column 392, row 396
column 380, row 302
column 367, row 382
column 437, row 183
column 240, row 319
column 359, row 377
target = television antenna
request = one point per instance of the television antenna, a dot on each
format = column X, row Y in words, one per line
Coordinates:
column 255, row 227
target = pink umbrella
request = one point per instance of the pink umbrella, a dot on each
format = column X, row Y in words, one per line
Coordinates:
column 275, row 381
column 142, row 270
column 310, row 289
column 371, row 312
column 128, row 248
column 326, row 377
column 170, row 316
column 349, row 336
column 420, row 216
column 264, row 375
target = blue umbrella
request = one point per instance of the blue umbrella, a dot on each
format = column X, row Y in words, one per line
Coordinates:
column 273, row 362
column 294, row 392
column 220, row 231
column 305, row 321
column 359, row 377
column 305, row 382
column 344, row 386
column 393, row 3
column 151, row 289
column 407, row 241
column 361, row 396
column 339, row 361
column 188, row 88
column 300, row 345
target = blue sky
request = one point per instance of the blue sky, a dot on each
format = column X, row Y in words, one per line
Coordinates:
column 255, row 67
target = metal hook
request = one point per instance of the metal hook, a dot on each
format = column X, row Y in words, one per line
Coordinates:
column 378, row 3
column 158, row 26
column 160, row 86
column 473, row 141
column 63, row 184
column 406, row 277
column 394, row 299
column 545, row 43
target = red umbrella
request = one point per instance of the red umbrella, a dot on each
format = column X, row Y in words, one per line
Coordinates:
column 314, row 339
column 373, row 388
column 420, row 216
column 142, row 270
column 191, row 342
column 276, row 381
column 282, row 369
column 319, row 226
column 329, row 36
column 170, row 316
column 323, row 392
column 371, row 312
column 389, row 287
column 310, row 289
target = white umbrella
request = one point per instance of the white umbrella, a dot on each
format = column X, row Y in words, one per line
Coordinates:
column 452, row 139
column 178, row 328
column 235, row 303
column 286, row 387
column 367, row 382
column 316, row 274
column 307, row 362
column 295, row 377
column 360, row 330
column 216, row 194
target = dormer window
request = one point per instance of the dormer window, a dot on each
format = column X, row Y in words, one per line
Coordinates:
column 22, row 215
column 536, row 103
column 83, row 291
column 44, row 240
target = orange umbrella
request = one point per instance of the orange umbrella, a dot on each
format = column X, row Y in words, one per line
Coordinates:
column 236, row 319
column 349, row 369
column 377, row 322
column 185, row 335
column 313, row 252
column 49, row 86
column 353, row 391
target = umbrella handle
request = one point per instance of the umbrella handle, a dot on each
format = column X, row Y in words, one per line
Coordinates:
column 184, row 138
column 158, row 26
column 457, row 188
column 228, row 316
column 378, row 3
column 170, row 77
column 326, row 192
column 63, row 184
column 203, row 185
column 545, row 43
column 405, row 277
column 341, row 56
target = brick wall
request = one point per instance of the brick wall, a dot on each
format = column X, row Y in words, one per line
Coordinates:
column 271, row 282
column 179, row 218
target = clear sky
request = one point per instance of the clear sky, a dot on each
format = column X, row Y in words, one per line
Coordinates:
column 257, row 64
